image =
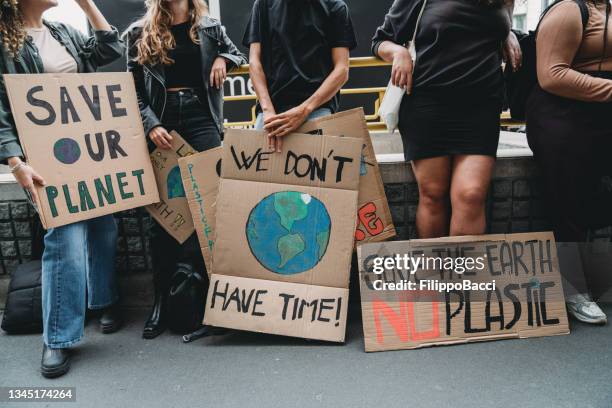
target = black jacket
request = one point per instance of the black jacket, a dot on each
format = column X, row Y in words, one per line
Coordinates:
column 150, row 79
column 90, row 52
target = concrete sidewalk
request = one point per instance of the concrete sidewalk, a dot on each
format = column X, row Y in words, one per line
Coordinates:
column 249, row 370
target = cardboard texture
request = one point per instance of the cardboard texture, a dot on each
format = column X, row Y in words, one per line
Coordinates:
column 373, row 215
column 83, row 134
column 200, row 173
column 286, row 222
column 529, row 301
column 172, row 211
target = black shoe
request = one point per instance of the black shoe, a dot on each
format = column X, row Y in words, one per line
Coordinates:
column 55, row 362
column 111, row 319
column 155, row 324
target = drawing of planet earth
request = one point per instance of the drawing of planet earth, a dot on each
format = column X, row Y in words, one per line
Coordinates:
column 66, row 151
column 288, row 232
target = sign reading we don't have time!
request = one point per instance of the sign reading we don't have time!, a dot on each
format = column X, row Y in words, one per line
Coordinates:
column 84, row 135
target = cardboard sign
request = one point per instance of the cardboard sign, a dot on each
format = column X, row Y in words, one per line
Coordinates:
column 172, row 211
column 201, row 173
column 374, row 222
column 526, row 301
column 83, row 134
column 286, row 222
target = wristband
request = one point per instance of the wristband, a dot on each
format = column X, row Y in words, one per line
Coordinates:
column 16, row 167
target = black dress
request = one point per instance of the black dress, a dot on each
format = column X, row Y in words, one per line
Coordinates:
column 457, row 83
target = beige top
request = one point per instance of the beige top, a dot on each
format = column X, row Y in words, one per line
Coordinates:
column 564, row 54
column 54, row 55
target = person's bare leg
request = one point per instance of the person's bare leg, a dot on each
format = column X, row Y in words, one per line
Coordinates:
column 433, row 178
column 470, row 180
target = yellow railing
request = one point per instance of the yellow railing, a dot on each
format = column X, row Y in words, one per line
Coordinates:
column 374, row 122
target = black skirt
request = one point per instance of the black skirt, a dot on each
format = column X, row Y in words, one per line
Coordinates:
column 435, row 125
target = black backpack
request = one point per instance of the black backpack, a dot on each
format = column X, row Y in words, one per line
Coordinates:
column 23, row 308
column 519, row 84
column 186, row 300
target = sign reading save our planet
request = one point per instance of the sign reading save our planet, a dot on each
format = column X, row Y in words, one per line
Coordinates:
column 84, row 135
column 295, row 211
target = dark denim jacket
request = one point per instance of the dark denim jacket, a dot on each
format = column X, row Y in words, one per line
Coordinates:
column 150, row 79
column 89, row 52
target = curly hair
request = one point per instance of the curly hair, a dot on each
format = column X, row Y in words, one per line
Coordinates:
column 11, row 27
column 156, row 39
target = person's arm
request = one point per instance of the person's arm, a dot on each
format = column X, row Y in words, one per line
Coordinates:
column 512, row 49
column 390, row 40
column 94, row 16
column 258, row 78
column 282, row 124
column 105, row 46
column 229, row 58
column 558, row 41
column 152, row 125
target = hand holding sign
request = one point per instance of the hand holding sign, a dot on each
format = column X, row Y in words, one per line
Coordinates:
column 160, row 136
column 281, row 125
column 26, row 176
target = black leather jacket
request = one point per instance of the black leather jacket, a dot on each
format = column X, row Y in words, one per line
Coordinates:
column 150, row 79
column 89, row 52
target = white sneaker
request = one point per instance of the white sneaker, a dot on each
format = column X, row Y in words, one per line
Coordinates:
column 585, row 310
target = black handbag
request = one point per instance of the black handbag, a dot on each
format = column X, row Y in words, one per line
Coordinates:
column 185, row 309
column 23, row 309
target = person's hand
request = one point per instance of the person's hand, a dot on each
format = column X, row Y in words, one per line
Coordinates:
column 512, row 51
column 83, row 3
column 401, row 70
column 267, row 114
column 281, row 125
column 218, row 72
column 28, row 178
column 161, row 137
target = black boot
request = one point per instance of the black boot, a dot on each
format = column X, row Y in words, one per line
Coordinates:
column 156, row 323
column 55, row 362
column 164, row 252
column 111, row 319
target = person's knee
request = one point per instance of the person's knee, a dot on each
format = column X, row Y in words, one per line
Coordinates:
column 433, row 194
column 470, row 197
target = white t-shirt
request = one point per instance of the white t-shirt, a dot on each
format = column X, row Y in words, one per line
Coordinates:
column 54, row 55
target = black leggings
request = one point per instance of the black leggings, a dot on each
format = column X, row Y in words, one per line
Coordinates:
column 187, row 113
column 572, row 146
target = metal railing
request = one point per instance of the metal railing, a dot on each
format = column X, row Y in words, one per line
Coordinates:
column 374, row 121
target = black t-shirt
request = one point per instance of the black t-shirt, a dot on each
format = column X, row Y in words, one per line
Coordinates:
column 458, row 45
column 186, row 72
column 296, row 38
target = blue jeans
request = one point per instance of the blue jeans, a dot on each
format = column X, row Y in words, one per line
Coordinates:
column 78, row 267
column 317, row 113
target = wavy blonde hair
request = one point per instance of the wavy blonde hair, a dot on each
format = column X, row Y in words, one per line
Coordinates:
column 156, row 39
column 12, row 29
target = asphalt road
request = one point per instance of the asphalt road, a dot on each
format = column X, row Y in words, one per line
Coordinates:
column 249, row 370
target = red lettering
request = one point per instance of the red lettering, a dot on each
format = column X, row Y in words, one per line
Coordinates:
column 372, row 223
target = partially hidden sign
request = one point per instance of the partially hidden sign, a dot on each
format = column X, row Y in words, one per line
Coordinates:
column 84, row 135
column 404, row 310
column 374, row 222
column 172, row 211
column 200, row 173
column 285, row 226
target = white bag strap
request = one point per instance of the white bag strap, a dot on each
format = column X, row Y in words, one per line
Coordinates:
column 412, row 45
